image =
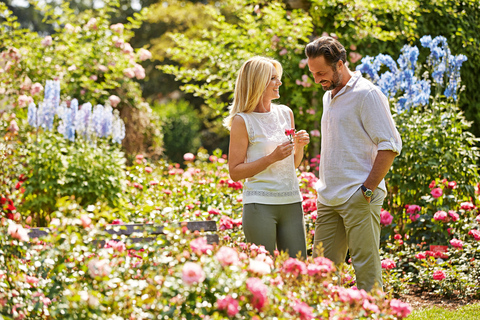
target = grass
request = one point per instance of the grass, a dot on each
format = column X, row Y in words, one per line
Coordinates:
column 468, row 312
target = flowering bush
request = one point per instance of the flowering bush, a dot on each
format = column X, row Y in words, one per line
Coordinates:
column 178, row 275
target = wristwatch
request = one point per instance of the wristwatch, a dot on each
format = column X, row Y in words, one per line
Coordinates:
column 367, row 192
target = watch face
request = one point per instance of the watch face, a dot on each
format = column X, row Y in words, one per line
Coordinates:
column 368, row 193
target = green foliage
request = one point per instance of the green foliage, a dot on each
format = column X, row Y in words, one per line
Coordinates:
column 379, row 26
column 458, row 22
column 436, row 145
column 88, row 171
column 209, row 61
column 84, row 53
column 181, row 128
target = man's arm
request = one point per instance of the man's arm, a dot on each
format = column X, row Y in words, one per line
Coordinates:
column 382, row 164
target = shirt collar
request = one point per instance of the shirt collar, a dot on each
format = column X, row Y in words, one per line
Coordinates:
column 351, row 82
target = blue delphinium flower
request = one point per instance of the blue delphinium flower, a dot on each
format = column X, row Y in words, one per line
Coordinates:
column 97, row 118
column 106, row 124
column 118, row 128
column 367, row 66
column 385, row 59
column 426, row 41
column 388, row 84
column 70, row 120
column 421, row 95
column 453, row 73
column 32, row 115
column 82, row 119
column 408, row 57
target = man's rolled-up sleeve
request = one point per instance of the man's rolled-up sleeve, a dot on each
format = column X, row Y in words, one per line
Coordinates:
column 378, row 122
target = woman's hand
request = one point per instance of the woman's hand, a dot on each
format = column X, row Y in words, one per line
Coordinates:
column 281, row 151
column 301, row 139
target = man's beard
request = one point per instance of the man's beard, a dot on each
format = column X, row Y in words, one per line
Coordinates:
column 336, row 81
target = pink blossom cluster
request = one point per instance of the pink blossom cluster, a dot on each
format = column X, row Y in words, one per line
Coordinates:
column 16, row 231
column 200, row 246
column 309, row 205
column 259, row 292
column 388, row 264
column 294, row 267
column 304, row 82
column 192, row 273
column 412, row 211
column 385, row 217
column 229, row 304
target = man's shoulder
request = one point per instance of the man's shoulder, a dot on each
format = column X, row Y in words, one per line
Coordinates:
column 365, row 86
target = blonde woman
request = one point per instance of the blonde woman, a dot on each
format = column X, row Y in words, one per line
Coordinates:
column 262, row 154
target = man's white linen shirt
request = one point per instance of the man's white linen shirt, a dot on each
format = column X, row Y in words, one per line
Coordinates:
column 356, row 123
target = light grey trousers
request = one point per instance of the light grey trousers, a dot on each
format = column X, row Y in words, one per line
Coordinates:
column 276, row 226
column 354, row 225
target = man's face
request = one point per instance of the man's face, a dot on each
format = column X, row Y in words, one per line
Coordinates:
column 324, row 74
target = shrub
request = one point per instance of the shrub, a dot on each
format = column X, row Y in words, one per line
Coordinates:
column 436, row 143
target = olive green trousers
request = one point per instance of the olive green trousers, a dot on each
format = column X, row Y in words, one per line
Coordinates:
column 354, row 225
column 276, row 226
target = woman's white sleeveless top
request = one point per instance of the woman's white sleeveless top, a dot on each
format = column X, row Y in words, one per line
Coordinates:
column 278, row 183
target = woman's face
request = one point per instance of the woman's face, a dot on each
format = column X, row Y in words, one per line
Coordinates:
column 271, row 91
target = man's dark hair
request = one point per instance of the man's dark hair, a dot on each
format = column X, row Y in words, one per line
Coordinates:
column 329, row 48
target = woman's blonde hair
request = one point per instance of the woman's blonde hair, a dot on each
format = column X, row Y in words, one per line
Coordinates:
column 252, row 80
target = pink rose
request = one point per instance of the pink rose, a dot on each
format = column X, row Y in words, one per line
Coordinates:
column 129, row 73
column 127, row 48
column 188, row 156
column 86, row 221
column 214, row 211
column 439, row 275
column 227, row 256
column 148, row 170
column 99, row 268
column 228, row 304
column 467, row 206
column 440, row 216
column 385, row 217
column 91, row 24
column 399, row 308
column 117, row 28
column 114, row 100
column 259, row 292
column 283, row 52
column 420, row 255
column 437, row 192
column 226, row 223
column 355, row 56
column 200, row 245
column 413, row 208
column 31, row 280
column 454, row 215
column 304, row 310
column 36, row 88
column 47, row 41
column 16, row 231
column 139, row 71
column 24, row 100
column 302, row 64
column 388, row 264
column 192, row 273
column 294, row 267
column 475, row 233
column 315, row 133
column 144, row 54
column 456, row 243
column 452, row 185
column 13, row 127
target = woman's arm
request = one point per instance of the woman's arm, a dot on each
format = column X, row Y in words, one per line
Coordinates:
column 237, row 153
